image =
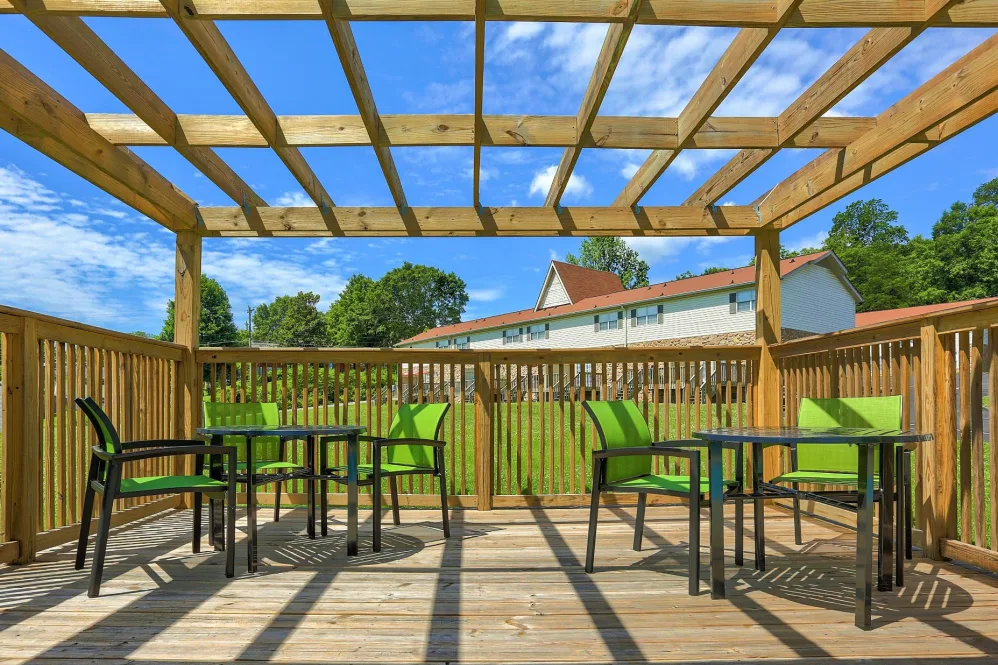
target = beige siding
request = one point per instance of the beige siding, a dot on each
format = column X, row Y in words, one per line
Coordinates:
column 555, row 293
column 816, row 300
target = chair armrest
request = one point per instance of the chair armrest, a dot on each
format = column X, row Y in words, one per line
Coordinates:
column 177, row 451
column 682, row 443
column 162, row 443
column 333, row 438
column 645, row 450
column 385, row 443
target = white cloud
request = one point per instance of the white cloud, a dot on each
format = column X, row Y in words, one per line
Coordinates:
column 484, row 295
column 553, row 254
column 18, row 189
column 295, row 200
column 577, row 187
column 813, row 240
column 517, row 32
column 657, row 248
column 629, row 170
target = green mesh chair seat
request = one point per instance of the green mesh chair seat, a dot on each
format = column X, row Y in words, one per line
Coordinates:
column 822, row 478
column 268, row 451
column 386, row 468
column 167, row 483
column 665, row 482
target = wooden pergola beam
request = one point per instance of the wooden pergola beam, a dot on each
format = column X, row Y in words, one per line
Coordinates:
column 304, row 131
column 969, row 79
column 441, row 221
column 599, row 82
column 84, row 46
column 845, row 185
column 479, row 125
column 720, row 13
column 346, row 49
column 39, row 115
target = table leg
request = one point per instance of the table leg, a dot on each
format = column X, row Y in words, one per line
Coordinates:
column 759, row 507
column 250, row 507
column 352, row 454
column 323, row 488
column 900, row 510
column 714, row 472
column 740, row 508
column 864, row 537
column 885, row 582
column 216, row 516
column 310, row 484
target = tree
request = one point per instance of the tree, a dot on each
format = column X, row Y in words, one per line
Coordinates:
column 216, row 327
column 302, row 324
column 413, row 298
column 612, row 254
column 267, row 318
column 352, row 320
column 686, row 274
column 864, row 224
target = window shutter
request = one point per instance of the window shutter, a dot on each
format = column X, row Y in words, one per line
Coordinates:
column 504, row 339
column 661, row 313
column 547, row 331
column 596, row 323
column 620, row 315
column 732, row 303
column 634, row 317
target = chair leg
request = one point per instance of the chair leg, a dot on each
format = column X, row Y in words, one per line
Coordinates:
column 593, row 515
column 740, row 508
column 277, row 502
column 639, row 522
column 196, row 526
column 230, row 532
column 103, row 529
column 376, row 502
column 694, row 538
column 394, row 487
column 88, row 511
column 907, row 504
column 798, row 539
column 443, row 493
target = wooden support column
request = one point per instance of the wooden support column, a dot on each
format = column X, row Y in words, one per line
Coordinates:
column 483, row 431
column 938, row 482
column 21, row 439
column 767, row 333
column 187, row 317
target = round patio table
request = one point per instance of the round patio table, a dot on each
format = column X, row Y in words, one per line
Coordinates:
column 865, row 441
column 310, row 433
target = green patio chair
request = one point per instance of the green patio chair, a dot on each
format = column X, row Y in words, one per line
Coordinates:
column 830, row 465
column 107, row 460
column 413, row 448
column 269, row 465
column 623, row 464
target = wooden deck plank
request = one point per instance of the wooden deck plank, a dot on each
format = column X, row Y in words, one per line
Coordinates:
column 507, row 587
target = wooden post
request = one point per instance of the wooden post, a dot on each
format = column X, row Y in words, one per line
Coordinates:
column 21, row 439
column 938, row 480
column 187, row 317
column 483, row 431
column 767, row 333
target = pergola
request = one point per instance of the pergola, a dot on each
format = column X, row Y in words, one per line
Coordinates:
column 858, row 149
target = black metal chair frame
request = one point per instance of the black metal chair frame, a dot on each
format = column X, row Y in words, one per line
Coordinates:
column 374, row 479
column 107, row 465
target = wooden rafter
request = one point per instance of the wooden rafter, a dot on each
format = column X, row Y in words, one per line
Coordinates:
column 969, row 79
column 726, row 13
column 479, row 125
column 304, row 131
column 743, row 51
column 44, row 119
column 869, row 54
column 216, row 52
column 84, row 46
column 346, row 49
column 599, row 82
column 676, row 220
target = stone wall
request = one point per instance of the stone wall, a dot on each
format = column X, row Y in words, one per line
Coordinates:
column 741, row 338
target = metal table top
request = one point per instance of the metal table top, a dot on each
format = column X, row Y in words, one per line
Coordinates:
column 784, row 435
column 280, row 430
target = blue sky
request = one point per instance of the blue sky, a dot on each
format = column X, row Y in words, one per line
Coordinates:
column 68, row 249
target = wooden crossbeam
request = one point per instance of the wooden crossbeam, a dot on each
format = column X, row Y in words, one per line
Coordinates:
column 84, row 46
column 346, row 49
column 44, row 119
column 304, row 131
column 216, row 52
column 746, row 47
column 969, row 79
column 479, row 125
column 940, row 132
column 599, row 82
column 540, row 221
column 726, row 13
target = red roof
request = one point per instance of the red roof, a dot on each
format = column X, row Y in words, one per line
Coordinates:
column 581, row 283
column 719, row 280
column 884, row 315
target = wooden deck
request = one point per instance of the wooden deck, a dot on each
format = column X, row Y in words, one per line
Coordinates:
column 507, row 587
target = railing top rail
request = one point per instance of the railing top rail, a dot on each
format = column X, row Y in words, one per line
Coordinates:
column 965, row 317
column 73, row 332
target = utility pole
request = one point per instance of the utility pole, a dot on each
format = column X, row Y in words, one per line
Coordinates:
column 249, row 326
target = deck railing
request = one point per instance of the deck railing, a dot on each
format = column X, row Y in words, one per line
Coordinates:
column 938, row 366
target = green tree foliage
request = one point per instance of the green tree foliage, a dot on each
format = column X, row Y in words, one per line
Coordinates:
column 405, row 302
column 267, row 318
column 612, row 255
column 216, row 327
column 301, row 324
column 710, row 270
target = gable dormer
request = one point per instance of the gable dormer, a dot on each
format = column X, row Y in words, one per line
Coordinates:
column 567, row 284
column 553, row 292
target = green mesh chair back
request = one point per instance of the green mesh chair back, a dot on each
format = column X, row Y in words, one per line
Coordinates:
column 416, row 421
column 872, row 412
column 621, row 425
column 265, row 448
column 107, row 435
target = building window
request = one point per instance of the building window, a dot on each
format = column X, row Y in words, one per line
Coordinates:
column 745, row 301
column 443, row 343
column 462, row 342
column 514, row 336
column 538, row 332
column 643, row 316
column 603, row 322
